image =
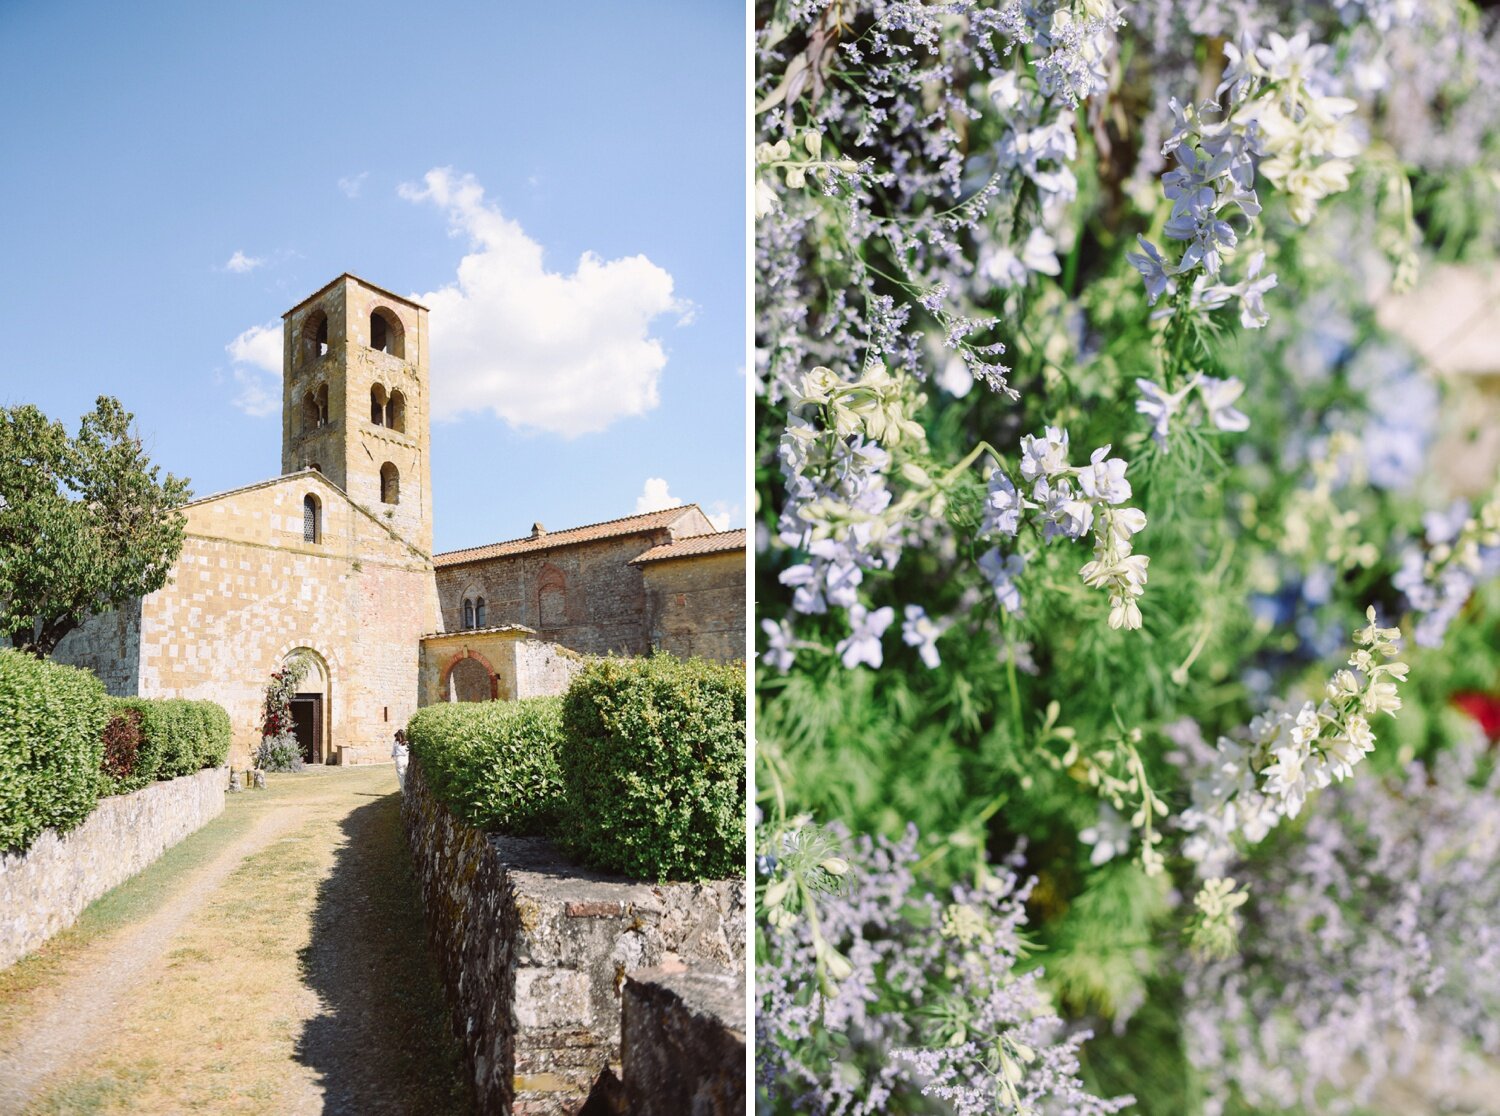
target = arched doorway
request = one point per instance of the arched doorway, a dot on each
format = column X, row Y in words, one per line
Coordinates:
column 470, row 680
column 312, row 707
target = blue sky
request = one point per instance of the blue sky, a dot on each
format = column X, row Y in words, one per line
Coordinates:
column 178, row 175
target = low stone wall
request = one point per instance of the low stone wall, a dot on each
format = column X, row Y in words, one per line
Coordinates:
column 44, row 889
column 683, row 1044
column 535, row 952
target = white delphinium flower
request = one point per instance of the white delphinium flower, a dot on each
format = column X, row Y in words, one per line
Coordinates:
column 1160, row 405
column 1110, row 835
column 1103, row 478
column 1045, row 456
column 1003, row 507
column 1219, row 398
column 1066, row 514
column 1001, row 571
column 1001, row 265
column 922, row 632
column 778, row 654
column 862, row 645
column 1248, row 788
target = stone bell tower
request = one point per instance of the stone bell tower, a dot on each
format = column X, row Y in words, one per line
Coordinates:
column 355, row 402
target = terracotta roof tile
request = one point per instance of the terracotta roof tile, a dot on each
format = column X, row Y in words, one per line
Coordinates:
column 693, row 545
column 609, row 528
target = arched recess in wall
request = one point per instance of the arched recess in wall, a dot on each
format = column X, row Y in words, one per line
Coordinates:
column 395, row 412
column 468, row 676
column 386, row 334
column 314, row 336
column 552, row 597
column 390, row 484
column 378, row 400
column 312, row 706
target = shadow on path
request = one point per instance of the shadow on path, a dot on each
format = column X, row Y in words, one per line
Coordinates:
column 382, row 1043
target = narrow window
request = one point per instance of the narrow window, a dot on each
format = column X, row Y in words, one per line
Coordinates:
column 314, row 336
column 468, row 613
column 377, row 404
column 395, row 412
column 379, row 334
column 390, row 484
column 309, row 413
column 323, row 405
column 479, row 613
column 312, row 529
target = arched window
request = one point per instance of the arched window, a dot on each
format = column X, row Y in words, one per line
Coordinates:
column 390, row 484
column 309, row 413
column 479, row 613
column 314, row 336
column 323, row 405
column 468, row 613
column 312, row 519
column 377, row 404
column 395, row 412
column 386, row 334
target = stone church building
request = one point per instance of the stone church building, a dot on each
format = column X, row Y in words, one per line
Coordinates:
column 333, row 560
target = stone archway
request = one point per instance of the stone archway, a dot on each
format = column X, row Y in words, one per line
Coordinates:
column 468, row 676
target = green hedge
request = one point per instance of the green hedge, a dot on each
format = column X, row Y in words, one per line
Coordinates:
column 493, row 763
column 653, row 761
column 51, row 721
column 178, row 737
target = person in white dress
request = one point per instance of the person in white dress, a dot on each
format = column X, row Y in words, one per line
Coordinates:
column 400, row 754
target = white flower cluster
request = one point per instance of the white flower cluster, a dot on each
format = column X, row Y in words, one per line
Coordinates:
column 1071, row 502
column 1283, row 121
column 1252, row 784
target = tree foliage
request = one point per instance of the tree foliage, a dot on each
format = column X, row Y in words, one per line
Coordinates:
column 86, row 522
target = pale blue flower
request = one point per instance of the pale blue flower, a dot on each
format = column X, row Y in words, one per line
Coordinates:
column 1001, row 571
column 1153, row 269
column 920, row 631
column 863, row 642
column 778, row 654
column 1103, row 478
column 1219, row 397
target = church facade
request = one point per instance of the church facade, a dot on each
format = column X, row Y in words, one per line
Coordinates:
column 332, row 561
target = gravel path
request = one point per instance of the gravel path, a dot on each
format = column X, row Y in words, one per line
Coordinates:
column 286, row 973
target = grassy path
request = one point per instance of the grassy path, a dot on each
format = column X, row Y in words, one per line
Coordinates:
column 274, row 962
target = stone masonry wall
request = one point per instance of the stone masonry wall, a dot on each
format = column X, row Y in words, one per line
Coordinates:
column 584, row 596
column 683, row 1043
column 696, row 605
column 46, row 888
column 535, row 952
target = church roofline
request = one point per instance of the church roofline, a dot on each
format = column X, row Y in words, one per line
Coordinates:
column 498, row 629
column 641, row 523
column 308, row 474
column 694, row 546
column 363, row 282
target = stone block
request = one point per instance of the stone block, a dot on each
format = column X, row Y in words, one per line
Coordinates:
column 552, row 998
column 683, row 1043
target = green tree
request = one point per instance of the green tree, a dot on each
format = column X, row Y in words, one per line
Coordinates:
column 85, row 523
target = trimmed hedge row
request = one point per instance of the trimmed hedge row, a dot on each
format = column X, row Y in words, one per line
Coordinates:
column 176, row 737
column 63, row 743
column 638, row 769
column 653, row 757
column 51, row 720
column 494, row 763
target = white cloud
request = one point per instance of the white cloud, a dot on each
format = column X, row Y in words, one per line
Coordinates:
column 259, row 345
column 655, row 497
column 257, row 397
column 565, row 353
column 722, row 515
column 352, row 184
column 256, row 354
column 239, row 263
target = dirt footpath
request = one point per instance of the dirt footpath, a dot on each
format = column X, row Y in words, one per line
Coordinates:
column 274, row 962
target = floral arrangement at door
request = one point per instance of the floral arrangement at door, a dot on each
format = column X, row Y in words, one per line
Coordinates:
column 1112, row 614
